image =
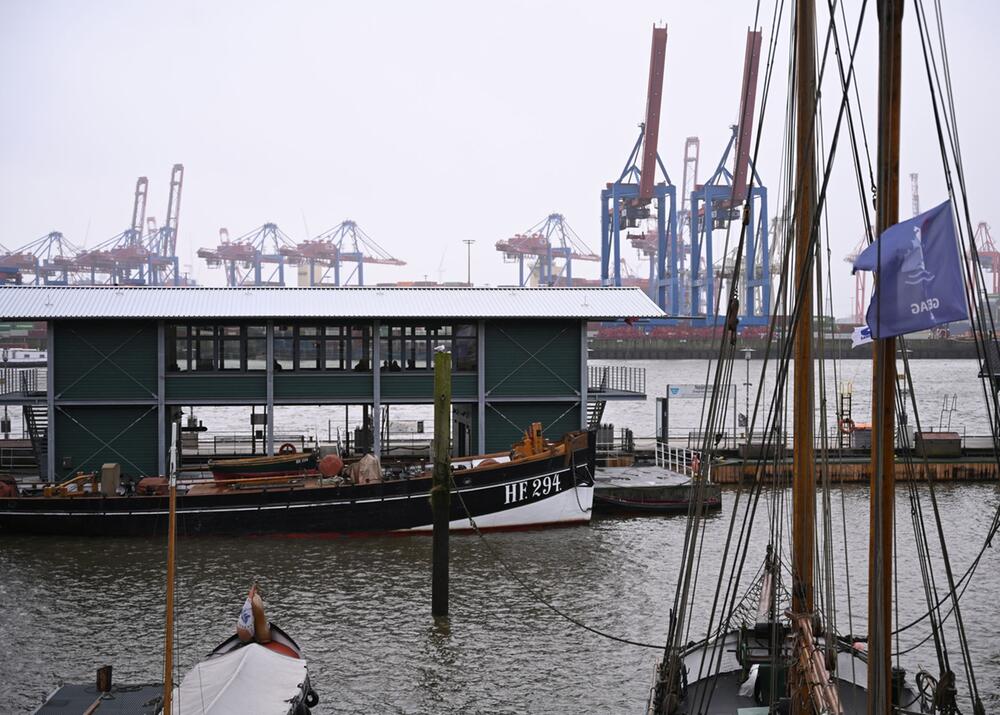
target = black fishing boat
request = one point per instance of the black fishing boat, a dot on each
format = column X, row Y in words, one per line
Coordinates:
column 537, row 483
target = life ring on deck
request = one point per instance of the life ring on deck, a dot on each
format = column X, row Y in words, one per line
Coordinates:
column 846, row 425
column 286, row 448
column 695, row 463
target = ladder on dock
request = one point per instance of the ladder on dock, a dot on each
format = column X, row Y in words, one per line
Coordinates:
column 595, row 413
column 36, row 419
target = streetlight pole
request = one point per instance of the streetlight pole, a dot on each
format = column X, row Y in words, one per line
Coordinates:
column 468, row 258
column 747, row 352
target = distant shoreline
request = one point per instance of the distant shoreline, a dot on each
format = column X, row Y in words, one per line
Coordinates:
column 673, row 349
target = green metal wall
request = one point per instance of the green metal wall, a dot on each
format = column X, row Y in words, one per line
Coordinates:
column 324, row 387
column 210, row 386
column 506, row 422
column 528, row 358
column 105, row 360
column 400, row 386
column 87, row 437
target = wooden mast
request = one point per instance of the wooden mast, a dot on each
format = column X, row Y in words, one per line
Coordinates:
column 804, row 461
column 883, row 481
column 168, row 646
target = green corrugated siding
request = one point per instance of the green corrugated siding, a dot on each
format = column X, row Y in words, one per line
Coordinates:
column 557, row 419
column 130, row 434
column 324, row 387
column 401, row 386
column 252, row 387
column 540, row 344
column 105, row 360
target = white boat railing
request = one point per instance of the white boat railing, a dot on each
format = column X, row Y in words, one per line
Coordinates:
column 678, row 459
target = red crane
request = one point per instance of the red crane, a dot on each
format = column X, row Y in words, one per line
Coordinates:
column 547, row 241
column 989, row 257
column 860, row 285
column 654, row 100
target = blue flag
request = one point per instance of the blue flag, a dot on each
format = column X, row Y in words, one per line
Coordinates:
column 920, row 277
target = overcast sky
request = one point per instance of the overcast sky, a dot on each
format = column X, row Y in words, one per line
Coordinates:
column 427, row 123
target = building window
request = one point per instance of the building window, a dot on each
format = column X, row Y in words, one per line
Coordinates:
column 411, row 347
column 230, row 347
column 309, row 348
column 334, row 347
column 284, row 347
column 361, row 347
column 256, row 347
column 466, row 348
column 177, row 345
column 202, row 347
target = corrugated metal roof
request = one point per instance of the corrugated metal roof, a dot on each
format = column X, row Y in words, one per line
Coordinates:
column 53, row 302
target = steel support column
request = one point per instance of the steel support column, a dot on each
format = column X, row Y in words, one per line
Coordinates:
column 50, row 398
column 269, row 405
column 161, row 407
column 584, row 379
column 376, row 389
column 481, row 387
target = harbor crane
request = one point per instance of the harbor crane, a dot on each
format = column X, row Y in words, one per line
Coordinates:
column 142, row 254
column 341, row 253
column 636, row 199
column 728, row 196
column 334, row 257
column 989, row 257
column 161, row 242
column 48, row 260
column 860, row 285
column 554, row 245
column 252, row 259
column 120, row 260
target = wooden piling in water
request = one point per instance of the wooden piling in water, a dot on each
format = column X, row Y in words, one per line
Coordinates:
column 441, row 488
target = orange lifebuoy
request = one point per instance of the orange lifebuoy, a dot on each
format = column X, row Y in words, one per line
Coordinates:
column 846, row 425
column 695, row 463
column 286, row 448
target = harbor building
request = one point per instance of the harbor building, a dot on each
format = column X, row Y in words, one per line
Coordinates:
column 122, row 361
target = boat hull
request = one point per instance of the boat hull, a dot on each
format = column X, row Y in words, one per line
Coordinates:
column 714, row 676
column 518, row 494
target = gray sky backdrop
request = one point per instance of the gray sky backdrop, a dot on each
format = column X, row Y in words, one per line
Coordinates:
column 427, row 123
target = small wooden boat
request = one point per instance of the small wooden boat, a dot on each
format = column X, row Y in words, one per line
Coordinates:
column 240, row 677
column 648, row 490
column 287, row 462
column 259, row 669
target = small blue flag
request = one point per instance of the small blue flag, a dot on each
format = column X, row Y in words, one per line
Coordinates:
column 920, row 277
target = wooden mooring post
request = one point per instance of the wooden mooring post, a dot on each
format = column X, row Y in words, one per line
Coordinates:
column 441, row 489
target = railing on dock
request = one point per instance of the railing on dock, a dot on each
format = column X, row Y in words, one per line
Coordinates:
column 19, row 381
column 239, row 444
column 616, row 378
column 678, row 459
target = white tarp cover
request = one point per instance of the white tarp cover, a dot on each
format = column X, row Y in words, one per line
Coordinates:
column 251, row 679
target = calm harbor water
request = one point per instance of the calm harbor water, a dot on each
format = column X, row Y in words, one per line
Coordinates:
column 360, row 608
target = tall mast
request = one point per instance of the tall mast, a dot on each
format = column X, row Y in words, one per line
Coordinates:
column 883, row 480
column 168, row 659
column 803, row 458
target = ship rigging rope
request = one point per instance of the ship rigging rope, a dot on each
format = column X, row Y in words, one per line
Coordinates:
column 934, row 85
column 533, row 592
column 801, row 285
